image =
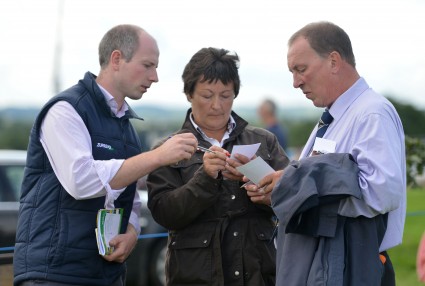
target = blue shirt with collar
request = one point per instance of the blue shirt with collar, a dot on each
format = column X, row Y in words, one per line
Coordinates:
column 367, row 126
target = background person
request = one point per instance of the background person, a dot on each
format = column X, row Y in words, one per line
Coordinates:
column 420, row 259
column 267, row 112
column 217, row 236
column 84, row 155
column 365, row 125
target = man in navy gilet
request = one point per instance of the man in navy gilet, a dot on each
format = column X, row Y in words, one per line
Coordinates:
column 84, row 155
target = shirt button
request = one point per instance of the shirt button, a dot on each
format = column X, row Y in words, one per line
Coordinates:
column 173, row 243
column 233, row 197
column 236, row 273
column 235, row 233
column 205, row 241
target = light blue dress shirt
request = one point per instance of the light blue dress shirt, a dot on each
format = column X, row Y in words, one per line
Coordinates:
column 367, row 126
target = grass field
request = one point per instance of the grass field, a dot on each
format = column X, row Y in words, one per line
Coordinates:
column 404, row 255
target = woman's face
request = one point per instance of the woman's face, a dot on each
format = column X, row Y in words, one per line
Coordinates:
column 211, row 105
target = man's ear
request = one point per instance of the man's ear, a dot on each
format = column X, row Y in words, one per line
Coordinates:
column 115, row 59
column 189, row 97
column 335, row 60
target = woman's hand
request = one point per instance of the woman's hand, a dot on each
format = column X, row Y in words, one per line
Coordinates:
column 215, row 162
column 231, row 172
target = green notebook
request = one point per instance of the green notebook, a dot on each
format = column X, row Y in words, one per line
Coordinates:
column 108, row 224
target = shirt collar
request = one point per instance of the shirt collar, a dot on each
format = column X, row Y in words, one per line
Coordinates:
column 343, row 102
column 231, row 125
column 110, row 100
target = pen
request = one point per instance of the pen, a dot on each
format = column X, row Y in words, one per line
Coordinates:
column 246, row 184
column 203, row 149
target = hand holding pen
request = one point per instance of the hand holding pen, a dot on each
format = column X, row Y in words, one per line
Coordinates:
column 215, row 163
column 214, row 160
column 203, row 149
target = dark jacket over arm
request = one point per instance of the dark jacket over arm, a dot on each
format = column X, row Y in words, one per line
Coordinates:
column 317, row 246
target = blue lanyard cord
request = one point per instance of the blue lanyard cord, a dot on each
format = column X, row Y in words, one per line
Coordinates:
column 159, row 235
column 141, row 236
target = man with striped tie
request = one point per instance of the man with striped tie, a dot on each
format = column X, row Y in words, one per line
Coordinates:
column 365, row 128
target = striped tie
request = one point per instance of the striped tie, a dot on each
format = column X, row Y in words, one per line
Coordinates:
column 324, row 122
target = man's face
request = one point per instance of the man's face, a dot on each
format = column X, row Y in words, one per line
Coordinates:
column 311, row 73
column 211, row 105
column 137, row 75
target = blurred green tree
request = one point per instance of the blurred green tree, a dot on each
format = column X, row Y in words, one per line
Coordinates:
column 415, row 159
column 14, row 134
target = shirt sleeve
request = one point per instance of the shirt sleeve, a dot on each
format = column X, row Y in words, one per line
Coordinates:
column 134, row 216
column 378, row 153
column 67, row 143
column 381, row 172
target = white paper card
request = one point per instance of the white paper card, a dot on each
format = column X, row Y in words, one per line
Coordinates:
column 255, row 170
column 246, row 150
column 324, row 146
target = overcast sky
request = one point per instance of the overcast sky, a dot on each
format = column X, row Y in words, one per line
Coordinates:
column 388, row 39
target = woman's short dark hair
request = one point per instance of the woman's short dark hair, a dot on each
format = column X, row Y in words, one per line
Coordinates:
column 326, row 37
column 211, row 64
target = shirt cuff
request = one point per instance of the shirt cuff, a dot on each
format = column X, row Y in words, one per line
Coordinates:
column 111, row 196
column 134, row 221
column 106, row 171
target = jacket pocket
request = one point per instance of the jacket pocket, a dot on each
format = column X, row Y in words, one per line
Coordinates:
column 266, row 248
column 190, row 258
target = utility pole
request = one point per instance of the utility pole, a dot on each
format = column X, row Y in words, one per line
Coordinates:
column 57, row 53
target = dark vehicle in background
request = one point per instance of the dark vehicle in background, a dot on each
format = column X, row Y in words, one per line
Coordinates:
column 145, row 266
column 11, row 173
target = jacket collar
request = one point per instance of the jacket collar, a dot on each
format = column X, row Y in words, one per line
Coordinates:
column 240, row 126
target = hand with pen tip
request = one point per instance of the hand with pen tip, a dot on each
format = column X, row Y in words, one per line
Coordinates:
column 177, row 148
column 214, row 160
column 217, row 160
